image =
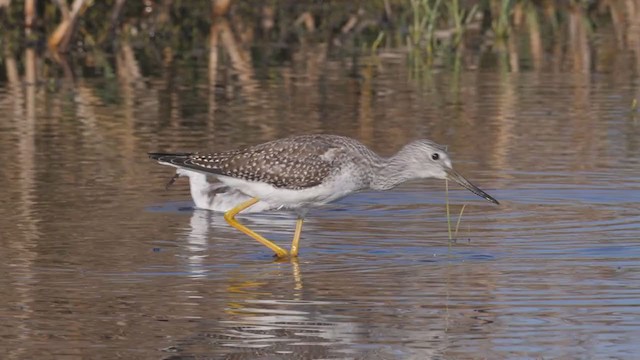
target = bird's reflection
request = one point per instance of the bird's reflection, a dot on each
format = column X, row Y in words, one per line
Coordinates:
column 201, row 223
column 197, row 241
column 265, row 304
column 204, row 224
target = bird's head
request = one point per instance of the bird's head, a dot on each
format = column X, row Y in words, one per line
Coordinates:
column 426, row 159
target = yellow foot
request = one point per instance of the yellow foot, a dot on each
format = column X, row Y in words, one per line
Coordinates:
column 230, row 215
column 280, row 253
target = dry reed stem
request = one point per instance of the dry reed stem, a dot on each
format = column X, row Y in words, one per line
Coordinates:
column 60, row 39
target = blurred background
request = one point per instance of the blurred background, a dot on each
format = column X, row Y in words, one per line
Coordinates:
column 201, row 63
column 536, row 100
column 129, row 39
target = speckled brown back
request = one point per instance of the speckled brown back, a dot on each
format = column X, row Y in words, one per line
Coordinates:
column 291, row 163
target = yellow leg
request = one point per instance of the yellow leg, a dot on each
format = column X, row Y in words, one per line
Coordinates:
column 296, row 238
column 230, row 217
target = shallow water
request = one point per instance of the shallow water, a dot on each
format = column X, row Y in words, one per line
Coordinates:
column 98, row 260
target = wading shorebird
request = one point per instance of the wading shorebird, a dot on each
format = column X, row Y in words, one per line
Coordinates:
column 301, row 172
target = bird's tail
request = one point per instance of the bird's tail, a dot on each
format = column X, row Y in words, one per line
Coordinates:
column 173, row 159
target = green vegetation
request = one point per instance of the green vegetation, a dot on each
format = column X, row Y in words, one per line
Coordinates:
column 455, row 233
column 432, row 33
column 452, row 234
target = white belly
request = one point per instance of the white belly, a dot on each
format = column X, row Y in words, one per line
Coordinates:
column 324, row 193
column 206, row 197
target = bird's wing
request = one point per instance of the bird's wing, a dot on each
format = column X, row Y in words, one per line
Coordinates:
column 281, row 163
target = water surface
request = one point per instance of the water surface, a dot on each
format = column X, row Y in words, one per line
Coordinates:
column 98, row 260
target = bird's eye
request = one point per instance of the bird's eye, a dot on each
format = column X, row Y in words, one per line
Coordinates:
column 435, row 156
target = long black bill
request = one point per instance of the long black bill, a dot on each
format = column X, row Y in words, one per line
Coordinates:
column 455, row 176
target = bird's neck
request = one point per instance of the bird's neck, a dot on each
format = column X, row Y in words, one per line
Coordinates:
column 390, row 173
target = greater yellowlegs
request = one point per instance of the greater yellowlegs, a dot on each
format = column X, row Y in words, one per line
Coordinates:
column 301, row 172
